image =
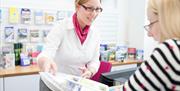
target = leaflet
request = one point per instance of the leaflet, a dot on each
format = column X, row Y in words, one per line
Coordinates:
column 65, row 82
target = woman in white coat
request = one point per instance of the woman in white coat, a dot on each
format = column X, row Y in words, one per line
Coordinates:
column 72, row 46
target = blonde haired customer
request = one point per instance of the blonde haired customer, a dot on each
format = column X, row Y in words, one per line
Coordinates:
column 161, row 72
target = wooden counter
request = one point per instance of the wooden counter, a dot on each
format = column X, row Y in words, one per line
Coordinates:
column 33, row 69
column 126, row 62
column 20, row 70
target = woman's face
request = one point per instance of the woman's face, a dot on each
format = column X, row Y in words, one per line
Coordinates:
column 87, row 12
column 153, row 27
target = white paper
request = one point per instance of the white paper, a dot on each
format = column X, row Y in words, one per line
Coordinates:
column 65, row 82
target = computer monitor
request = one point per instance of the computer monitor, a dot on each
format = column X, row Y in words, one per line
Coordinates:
column 116, row 77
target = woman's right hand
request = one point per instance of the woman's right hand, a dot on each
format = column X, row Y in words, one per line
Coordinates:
column 46, row 65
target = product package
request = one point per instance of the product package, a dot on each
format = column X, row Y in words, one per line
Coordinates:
column 9, row 60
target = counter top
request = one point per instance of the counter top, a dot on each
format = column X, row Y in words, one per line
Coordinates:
column 20, row 70
column 34, row 69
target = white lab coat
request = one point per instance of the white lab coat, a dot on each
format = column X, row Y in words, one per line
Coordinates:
column 64, row 47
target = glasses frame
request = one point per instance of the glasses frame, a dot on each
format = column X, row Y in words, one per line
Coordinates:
column 91, row 9
column 147, row 27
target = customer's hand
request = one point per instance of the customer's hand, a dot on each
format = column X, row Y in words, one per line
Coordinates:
column 47, row 65
column 85, row 72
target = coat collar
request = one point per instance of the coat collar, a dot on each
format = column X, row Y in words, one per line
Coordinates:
column 70, row 25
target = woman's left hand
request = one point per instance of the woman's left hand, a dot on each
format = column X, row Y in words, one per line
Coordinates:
column 85, row 72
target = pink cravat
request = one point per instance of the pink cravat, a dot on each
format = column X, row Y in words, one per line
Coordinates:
column 82, row 34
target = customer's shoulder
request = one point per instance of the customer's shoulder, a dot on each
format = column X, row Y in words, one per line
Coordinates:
column 169, row 44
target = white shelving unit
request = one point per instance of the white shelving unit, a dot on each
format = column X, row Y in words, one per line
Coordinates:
column 1, row 84
column 22, row 83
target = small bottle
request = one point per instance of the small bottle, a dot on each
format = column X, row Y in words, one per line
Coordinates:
column 17, row 53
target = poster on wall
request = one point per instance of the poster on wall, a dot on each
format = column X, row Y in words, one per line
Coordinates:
column 38, row 17
column 25, row 16
column 34, row 35
column 9, row 34
column 22, row 34
column 13, row 15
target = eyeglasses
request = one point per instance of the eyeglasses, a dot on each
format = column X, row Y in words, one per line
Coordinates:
column 147, row 27
column 91, row 9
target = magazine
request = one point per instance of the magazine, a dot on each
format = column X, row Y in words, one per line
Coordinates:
column 7, row 49
column 65, row 82
column 44, row 34
column 0, row 15
column 13, row 15
column 34, row 35
column 61, row 15
column 25, row 16
column 38, row 17
column 9, row 34
column 22, row 34
column 49, row 18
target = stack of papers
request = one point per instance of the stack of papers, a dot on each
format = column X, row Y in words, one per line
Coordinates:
column 65, row 82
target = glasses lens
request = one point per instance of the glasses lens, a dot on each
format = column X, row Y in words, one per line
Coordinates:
column 98, row 9
column 146, row 27
column 91, row 9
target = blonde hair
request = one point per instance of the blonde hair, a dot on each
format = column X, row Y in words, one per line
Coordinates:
column 80, row 2
column 168, row 12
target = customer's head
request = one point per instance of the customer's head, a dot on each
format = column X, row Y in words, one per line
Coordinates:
column 164, row 18
column 87, row 10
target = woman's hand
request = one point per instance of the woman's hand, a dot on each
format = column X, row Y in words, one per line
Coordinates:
column 47, row 65
column 85, row 72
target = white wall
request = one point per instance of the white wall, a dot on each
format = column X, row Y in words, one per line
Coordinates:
column 130, row 21
column 136, row 23
column 39, row 4
column 149, row 43
column 127, row 17
column 123, row 10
